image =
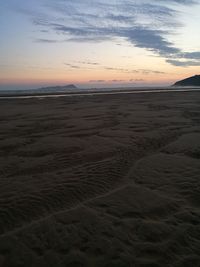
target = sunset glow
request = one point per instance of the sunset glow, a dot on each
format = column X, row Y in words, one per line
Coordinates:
column 97, row 44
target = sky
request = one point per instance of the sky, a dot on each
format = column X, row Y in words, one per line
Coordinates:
column 98, row 43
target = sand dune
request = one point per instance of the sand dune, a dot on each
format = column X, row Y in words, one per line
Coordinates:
column 100, row 181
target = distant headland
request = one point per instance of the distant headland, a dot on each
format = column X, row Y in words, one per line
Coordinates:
column 58, row 88
column 191, row 81
column 40, row 91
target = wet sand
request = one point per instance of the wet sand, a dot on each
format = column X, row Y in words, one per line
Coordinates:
column 105, row 180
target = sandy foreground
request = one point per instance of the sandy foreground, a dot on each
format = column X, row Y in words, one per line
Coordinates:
column 108, row 181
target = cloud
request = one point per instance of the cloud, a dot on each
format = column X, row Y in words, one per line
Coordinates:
column 117, row 81
column 139, row 36
column 46, row 41
column 143, row 71
column 72, row 66
column 143, row 25
column 151, row 40
column 97, row 81
column 120, row 69
column 179, row 63
column 93, row 65
column 120, row 18
column 88, row 63
column 82, row 65
column 192, row 55
column 185, row 2
column 147, row 71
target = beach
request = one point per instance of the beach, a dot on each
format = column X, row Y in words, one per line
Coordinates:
column 100, row 180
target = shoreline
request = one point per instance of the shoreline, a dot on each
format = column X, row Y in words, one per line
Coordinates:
column 95, row 93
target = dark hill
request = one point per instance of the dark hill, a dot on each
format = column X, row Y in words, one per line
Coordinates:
column 59, row 88
column 191, row 81
column 40, row 91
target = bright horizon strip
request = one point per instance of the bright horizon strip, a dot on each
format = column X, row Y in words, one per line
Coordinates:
column 156, row 43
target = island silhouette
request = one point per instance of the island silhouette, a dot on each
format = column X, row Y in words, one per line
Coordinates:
column 191, row 81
